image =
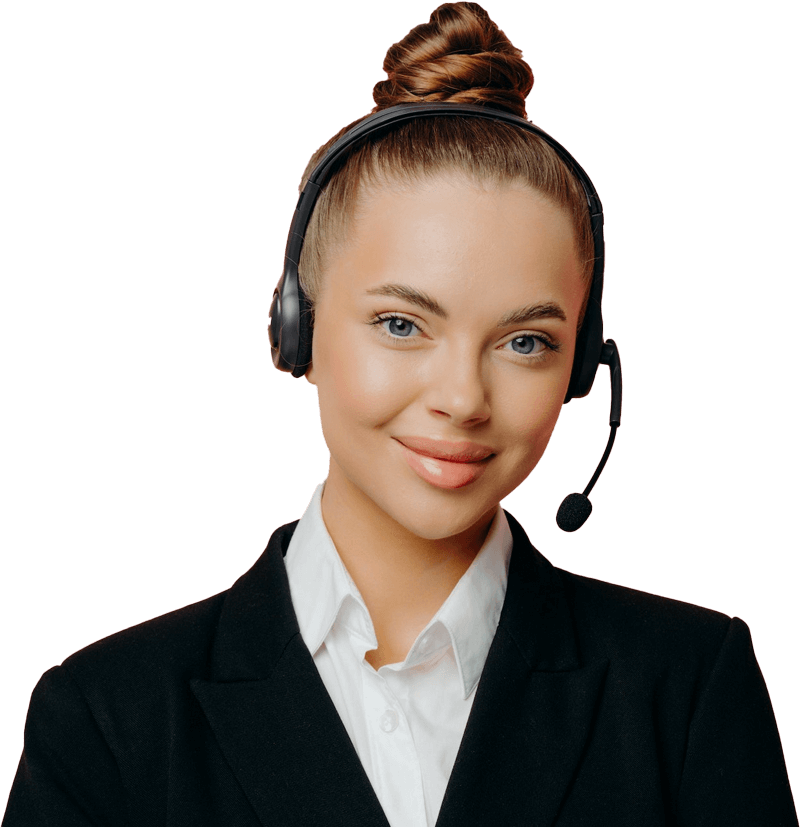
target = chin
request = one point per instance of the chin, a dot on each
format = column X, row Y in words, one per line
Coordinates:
column 437, row 515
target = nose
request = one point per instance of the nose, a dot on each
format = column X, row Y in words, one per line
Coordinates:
column 458, row 389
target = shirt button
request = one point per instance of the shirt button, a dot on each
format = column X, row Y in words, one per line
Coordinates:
column 389, row 720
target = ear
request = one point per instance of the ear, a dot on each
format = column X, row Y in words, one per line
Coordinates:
column 309, row 374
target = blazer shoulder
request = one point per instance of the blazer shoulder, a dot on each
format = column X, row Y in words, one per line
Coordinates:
column 176, row 643
column 166, row 652
column 620, row 622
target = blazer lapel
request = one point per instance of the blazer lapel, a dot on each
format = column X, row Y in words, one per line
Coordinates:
column 533, row 710
column 283, row 739
column 270, row 713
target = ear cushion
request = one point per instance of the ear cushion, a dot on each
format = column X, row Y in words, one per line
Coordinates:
column 588, row 347
column 305, row 320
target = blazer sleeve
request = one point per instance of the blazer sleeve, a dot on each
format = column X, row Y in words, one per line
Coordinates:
column 67, row 775
column 734, row 771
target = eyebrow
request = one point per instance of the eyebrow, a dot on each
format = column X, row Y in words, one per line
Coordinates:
column 529, row 313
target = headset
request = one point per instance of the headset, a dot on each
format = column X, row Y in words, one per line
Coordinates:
column 290, row 326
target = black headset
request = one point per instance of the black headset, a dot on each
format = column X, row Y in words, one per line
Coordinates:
column 291, row 329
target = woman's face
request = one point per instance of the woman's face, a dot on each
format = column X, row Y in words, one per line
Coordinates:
column 445, row 331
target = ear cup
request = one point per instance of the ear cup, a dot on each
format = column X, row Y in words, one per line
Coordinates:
column 589, row 343
column 588, row 348
column 290, row 325
column 275, row 324
column 587, row 360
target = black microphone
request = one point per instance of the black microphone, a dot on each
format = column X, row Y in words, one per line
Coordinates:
column 576, row 508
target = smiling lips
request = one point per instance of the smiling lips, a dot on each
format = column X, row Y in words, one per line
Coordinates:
column 445, row 464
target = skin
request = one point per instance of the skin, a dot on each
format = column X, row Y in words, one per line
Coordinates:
column 481, row 251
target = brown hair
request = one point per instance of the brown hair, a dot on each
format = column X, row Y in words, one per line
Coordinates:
column 460, row 56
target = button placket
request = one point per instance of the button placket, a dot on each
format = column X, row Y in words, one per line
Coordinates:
column 389, row 720
column 394, row 754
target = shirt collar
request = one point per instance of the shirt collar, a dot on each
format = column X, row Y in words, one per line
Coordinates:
column 320, row 586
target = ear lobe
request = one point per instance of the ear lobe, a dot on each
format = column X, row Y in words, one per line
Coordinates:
column 309, row 374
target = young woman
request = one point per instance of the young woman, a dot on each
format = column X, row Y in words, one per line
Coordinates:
column 403, row 654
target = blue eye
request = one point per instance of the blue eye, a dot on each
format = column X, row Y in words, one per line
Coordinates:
column 398, row 326
column 526, row 345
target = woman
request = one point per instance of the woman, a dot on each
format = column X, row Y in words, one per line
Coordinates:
column 406, row 604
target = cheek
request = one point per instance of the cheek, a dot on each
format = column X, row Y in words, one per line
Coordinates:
column 357, row 385
column 527, row 421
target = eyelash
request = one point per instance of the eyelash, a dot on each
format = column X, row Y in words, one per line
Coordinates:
column 549, row 344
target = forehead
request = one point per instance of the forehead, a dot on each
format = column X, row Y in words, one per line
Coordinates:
column 471, row 245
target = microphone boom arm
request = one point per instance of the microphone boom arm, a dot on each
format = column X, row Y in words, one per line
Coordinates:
column 610, row 357
column 576, row 508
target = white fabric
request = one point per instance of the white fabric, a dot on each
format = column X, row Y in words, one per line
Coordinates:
column 405, row 720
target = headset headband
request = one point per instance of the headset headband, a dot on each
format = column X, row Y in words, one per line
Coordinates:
column 290, row 323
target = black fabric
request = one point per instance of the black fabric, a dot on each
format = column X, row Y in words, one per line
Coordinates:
column 598, row 705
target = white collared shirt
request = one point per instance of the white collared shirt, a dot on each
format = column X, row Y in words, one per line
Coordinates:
column 405, row 720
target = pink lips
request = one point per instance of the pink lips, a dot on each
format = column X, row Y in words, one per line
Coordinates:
column 441, row 449
column 445, row 464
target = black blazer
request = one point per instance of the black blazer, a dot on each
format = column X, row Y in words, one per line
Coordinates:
column 598, row 705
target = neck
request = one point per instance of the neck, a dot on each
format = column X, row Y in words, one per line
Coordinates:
column 403, row 578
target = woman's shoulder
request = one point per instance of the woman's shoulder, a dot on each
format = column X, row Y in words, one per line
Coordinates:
column 161, row 650
column 629, row 625
column 616, row 622
column 180, row 644
column 634, row 604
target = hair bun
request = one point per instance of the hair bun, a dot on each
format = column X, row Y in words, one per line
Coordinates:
column 459, row 56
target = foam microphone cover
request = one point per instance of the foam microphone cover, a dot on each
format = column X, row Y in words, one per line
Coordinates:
column 573, row 512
